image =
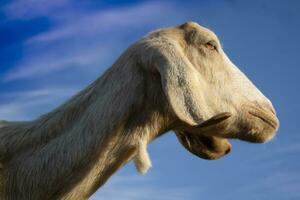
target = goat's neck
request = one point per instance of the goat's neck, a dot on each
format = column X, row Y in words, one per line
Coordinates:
column 73, row 150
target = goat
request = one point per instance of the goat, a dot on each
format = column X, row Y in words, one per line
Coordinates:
column 175, row 78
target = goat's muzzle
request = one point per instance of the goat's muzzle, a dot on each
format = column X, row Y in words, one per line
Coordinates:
column 259, row 124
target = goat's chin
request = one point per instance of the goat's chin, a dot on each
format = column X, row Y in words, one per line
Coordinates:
column 205, row 147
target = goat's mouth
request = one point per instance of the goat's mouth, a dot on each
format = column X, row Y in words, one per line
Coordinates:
column 258, row 125
column 271, row 121
column 205, row 147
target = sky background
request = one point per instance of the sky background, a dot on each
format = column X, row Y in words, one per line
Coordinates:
column 50, row 50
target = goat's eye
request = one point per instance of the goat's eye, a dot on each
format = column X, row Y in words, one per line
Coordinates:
column 210, row 46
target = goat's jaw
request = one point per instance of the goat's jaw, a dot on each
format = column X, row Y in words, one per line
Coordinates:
column 252, row 125
column 205, row 147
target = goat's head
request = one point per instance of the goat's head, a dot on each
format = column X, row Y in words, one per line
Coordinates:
column 210, row 97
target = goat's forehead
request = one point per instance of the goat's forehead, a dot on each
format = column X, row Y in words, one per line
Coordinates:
column 207, row 33
column 181, row 30
column 202, row 31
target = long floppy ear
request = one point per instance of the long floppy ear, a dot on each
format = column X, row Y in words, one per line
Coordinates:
column 181, row 82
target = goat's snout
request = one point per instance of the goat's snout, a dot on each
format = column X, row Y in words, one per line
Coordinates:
column 270, row 108
column 259, row 122
column 266, row 113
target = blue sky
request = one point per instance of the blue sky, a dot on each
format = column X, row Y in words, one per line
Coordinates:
column 49, row 50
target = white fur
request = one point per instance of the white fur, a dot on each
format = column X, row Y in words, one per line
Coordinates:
column 142, row 160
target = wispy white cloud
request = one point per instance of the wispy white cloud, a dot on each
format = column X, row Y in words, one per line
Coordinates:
column 285, row 184
column 26, row 9
column 138, row 187
column 107, row 20
column 276, row 153
column 82, row 44
column 53, row 61
column 40, row 93
column 25, row 105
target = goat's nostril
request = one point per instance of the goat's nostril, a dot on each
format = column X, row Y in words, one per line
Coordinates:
column 270, row 108
column 273, row 110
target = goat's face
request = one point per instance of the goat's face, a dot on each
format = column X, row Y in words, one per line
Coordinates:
column 212, row 99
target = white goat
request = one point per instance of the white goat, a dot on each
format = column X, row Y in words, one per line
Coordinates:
column 175, row 78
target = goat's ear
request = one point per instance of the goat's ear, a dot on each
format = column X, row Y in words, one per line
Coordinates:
column 181, row 83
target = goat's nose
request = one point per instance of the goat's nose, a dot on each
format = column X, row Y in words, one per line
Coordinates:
column 273, row 109
column 269, row 107
column 264, row 111
column 266, row 106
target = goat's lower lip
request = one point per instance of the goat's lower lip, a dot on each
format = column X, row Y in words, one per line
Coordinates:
column 268, row 120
